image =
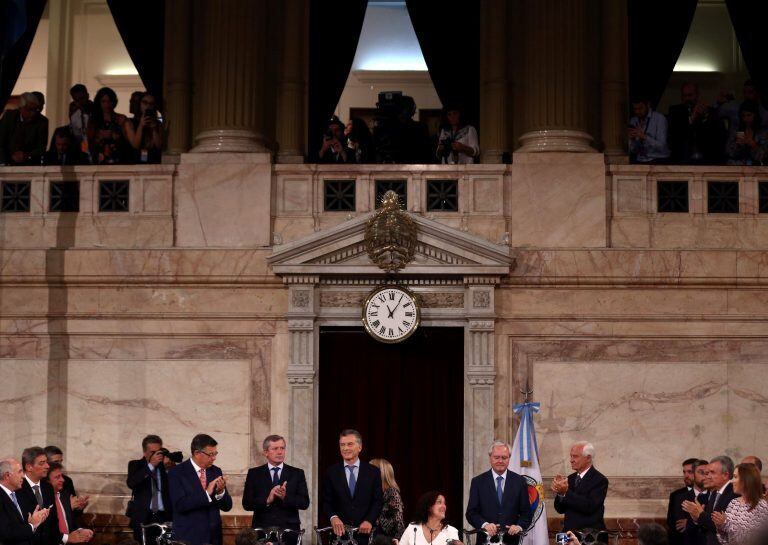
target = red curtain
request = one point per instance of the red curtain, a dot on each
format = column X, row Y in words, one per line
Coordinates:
column 407, row 400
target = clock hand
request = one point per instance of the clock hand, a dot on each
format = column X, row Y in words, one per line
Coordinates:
column 391, row 312
column 397, row 305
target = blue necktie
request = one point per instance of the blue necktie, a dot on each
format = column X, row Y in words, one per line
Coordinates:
column 352, row 480
column 16, row 503
column 499, row 489
column 275, row 479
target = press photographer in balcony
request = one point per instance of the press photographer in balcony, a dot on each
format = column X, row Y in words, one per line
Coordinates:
column 457, row 142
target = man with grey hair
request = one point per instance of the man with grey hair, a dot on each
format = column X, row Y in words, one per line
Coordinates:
column 581, row 496
column 23, row 133
column 275, row 491
column 17, row 526
column 720, row 495
column 498, row 499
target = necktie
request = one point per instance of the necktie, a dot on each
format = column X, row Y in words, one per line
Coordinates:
column 499, row 489
column 202, row 479
column 38, row 496
column 63, row 527
column 713, row 497
column 275, row 478
column 153, row 503
column 577, row 481
column 16, row 503
column 352, row 480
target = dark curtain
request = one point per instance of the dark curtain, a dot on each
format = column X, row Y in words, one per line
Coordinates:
column 18, row 24
column 449, row 36
column 141, row 24
column 656, row 35
column 749, row 20
column 334, row 30
column 406, row 399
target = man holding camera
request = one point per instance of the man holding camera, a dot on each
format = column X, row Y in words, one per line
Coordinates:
column 334, row 149
column 148, row 481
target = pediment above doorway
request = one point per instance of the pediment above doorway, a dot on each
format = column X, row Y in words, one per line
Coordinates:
column 440, row 251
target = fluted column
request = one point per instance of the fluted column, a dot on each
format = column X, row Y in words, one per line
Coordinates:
column 555, row 81
column 291, row 118
column 226, row 83
column 614, row 78
column 177, row 76
column 493, row 81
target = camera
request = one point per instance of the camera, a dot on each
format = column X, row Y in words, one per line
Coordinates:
column 176, row 457
column 446, row 144
column 561, row 538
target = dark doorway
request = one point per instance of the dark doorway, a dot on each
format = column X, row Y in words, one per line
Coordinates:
column 407, row 401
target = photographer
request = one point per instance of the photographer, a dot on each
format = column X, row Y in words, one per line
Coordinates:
column 144, row 131
column 148, row 481
column 359, row 141
column 458, row 143
column 333, row 149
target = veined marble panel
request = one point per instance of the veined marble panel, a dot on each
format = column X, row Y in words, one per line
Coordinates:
column 112, row 405
column 23, row 404
column 645, row 417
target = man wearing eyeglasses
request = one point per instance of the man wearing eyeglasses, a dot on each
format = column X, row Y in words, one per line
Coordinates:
column 23, row 133
column 199, row 494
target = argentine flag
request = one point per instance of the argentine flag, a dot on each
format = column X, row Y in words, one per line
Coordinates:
column 525, row 461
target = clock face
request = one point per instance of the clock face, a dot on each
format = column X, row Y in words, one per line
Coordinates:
column 391, row 314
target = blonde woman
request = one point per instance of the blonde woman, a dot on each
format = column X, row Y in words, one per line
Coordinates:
column 390, row 522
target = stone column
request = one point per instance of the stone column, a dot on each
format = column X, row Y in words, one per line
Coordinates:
column 614, row 79
column 302, row 384
column 554, row 80
column 493, row 81
column 226, row 79
column 59, row 63
column 480, row 367
column 292, row 89
column 177, row 84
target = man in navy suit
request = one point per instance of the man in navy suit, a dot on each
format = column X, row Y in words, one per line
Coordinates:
column 198, row 493
column 275, row 491
column 37, row 492
column 720, row 495
column 17, row 527
column 352, row 493
column 148, row 481
column 581, row 497
column 68, row 528
column 499, row 498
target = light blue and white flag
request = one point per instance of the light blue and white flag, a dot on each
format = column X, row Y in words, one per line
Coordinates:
column 525, row 461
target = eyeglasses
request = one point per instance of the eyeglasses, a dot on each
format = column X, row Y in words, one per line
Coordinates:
column 209, row 454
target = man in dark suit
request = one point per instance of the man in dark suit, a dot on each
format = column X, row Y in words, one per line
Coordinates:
column 352, row 493
column 581, row 497
column 676, row 517
column 78, row 503
column 23, row 133
column 689, row 530
column 68, row 529
column 720, row 495
column 499, row 498
column 17, row 527
column 198, row 495
column 275, row 491
column 150, row 501
column 37, row 492
column 63, row 150
column 696, row 133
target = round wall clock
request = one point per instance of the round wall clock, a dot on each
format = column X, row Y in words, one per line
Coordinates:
column 391, row 313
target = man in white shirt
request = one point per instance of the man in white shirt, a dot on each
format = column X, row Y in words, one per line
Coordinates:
column 63, row 506
column 16, row 526
column 581, row 496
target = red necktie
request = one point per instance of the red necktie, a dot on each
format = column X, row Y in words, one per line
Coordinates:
column 202, row 479
column 63, row 528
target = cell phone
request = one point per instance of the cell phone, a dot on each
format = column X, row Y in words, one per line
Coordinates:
column 739, row 134
column 561, row 538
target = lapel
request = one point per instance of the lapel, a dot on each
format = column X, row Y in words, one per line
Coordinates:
column 9, row 504
column 508, row 484
column 491, row 480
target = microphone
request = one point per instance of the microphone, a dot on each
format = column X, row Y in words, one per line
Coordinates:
column 415, row 529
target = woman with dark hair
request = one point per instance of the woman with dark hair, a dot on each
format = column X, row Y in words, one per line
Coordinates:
column 106, row 130
column 748, row 145
column 457, row 143
column 359, row 141
column 746, row 514
column 430, row 527
column 144, row 131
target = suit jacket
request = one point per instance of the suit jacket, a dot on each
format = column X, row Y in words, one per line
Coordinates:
column 281, row 513
column 14, row 529
column 196, row 516
column 66, row 507
column 584, row 506
column 33, row 137
column 706, row 526
column 48, row 532
column 140, row 482
column 675, row 512
column 364, row 506
column 706, row 135
column 483, row 505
